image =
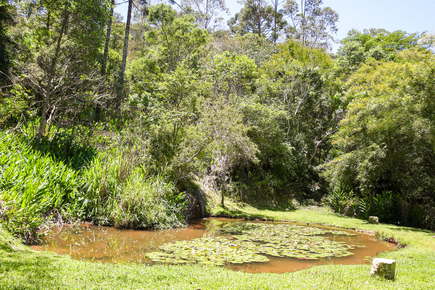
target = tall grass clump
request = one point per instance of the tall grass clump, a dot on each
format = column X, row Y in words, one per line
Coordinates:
column 31, row 186
column 118, row 192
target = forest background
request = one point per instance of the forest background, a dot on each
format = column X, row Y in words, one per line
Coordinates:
column 148, row 122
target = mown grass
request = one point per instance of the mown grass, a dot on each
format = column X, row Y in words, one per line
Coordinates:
column 415, row 265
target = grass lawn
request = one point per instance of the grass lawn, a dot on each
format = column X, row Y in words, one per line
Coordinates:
column 22, row 268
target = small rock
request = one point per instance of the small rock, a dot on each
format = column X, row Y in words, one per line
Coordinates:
column 384, row 268
column 373, row 220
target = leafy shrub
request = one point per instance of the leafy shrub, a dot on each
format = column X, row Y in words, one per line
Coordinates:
column 31, row 185
column 343, row 202
column 390, row 208
column 385, row 206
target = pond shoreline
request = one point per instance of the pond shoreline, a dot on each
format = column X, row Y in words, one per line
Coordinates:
column 111, row 245
column 44, row 270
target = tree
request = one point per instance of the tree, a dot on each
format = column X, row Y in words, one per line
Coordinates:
column 105, row 56
column 386, row 140
column 120, row 88
column 170, row 42
column 311, row 24
column 107, row 43
column 206, row 12
column 115, row 49
column 173, row 108
column 231, row 80
column 278, row 23
column 254, row 47
column 229, row 144
column 391, row 42
column 66, row 41
column 295, row 82
column 259, row 18
column 179, row 37
column 165, row 81
column 379, row 44
column 233, row 75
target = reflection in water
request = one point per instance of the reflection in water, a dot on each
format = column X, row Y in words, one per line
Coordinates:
column 107, row 244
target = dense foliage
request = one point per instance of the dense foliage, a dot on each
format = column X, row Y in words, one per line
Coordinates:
column 261, row 113
column 385, row 145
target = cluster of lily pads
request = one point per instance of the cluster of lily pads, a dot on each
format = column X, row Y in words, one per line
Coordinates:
column 213, row 250
column 253, row 242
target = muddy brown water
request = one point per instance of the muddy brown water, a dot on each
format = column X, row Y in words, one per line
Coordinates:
column 107, row 244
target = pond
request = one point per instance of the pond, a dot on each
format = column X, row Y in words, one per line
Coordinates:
column 236, row 244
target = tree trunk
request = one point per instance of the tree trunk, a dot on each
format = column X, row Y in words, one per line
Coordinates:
column 303, row 6
column 48, row 20
column 222, row 194
column 106, row 45
column 206, row 15
column 275, row 37
column 47, row 91
column 124, row 57
column 223, row 182
column 106, row 53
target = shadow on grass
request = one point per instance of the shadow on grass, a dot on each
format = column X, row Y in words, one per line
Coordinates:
column 274, row 203
column 62, row 147
column 6, row 248
column 28, row 269
column 235, row 213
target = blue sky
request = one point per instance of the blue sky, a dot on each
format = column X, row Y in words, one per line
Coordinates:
column 407, row 15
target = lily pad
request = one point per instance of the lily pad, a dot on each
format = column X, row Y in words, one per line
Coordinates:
column 253, row 242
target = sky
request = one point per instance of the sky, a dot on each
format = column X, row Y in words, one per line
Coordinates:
column 407, row 15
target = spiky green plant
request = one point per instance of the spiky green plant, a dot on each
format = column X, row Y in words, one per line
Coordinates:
column 31, row 185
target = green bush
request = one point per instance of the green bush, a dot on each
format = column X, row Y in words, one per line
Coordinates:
column 390, row 208
column 148, row 202
column 343, row 202
column 31, row 185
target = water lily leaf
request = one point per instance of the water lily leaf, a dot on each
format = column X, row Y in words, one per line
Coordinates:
column 250, row 242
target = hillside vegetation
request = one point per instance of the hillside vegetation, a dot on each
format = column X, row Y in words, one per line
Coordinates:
column 144, row 123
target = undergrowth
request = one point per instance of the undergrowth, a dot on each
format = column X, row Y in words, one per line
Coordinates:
column 38, row 185
column 389, row 207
